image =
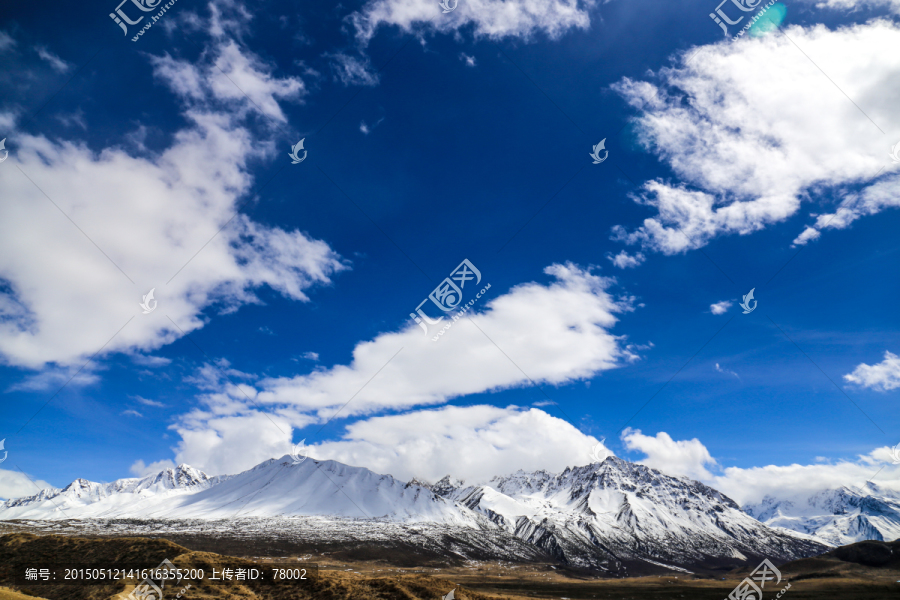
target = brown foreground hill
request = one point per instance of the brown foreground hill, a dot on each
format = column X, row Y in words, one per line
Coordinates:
column 864, row 571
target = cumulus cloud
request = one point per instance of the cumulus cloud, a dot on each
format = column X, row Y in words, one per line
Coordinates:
column 797, row 482
column 623, row 260
column 720, row 308
column 230, row 437
column 231, row 76
column 554, row 333
column 752, row 128
column 870, row 201
column 14, row 484
column 139, row 221
column 882, row 377
column 494, row 19
column 750, row 485
column 547, row 334
column 473, row 443
column 139, row 469
column 688, row 458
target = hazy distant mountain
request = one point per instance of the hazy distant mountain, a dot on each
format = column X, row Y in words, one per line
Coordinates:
column 839, row 516
column 613, row 516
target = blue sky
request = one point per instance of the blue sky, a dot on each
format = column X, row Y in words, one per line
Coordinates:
column 761, row 163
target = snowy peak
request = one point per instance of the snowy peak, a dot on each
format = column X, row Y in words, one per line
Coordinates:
column 838, row 516
column 613, row 516
column 446, row 486
column 88, row 497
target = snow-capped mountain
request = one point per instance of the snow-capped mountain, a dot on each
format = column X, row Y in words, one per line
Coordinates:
column 839, row 516
column 87, row 499
column 613, row 513
column 613, row 516
column 272, row 488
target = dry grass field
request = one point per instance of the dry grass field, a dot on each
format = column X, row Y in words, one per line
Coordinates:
column 826, row 576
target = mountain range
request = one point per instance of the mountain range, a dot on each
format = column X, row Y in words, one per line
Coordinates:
column 838, row 516
column 615, row 517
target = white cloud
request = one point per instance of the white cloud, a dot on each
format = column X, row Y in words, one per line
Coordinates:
column 52, row 379
column 132, row 413
column 231, row 76
column 73, row 118
column 149, row 215
column 720, row 308
column 14, row 484
column 689, row 458
column 313, row 356
column 726, row 371
column 151, row 361
column 6, row 41
column 366, row 129
column 56, row 62
column 469, row 60
column 753, row 127
column 7, row 121
column 493, row 19
column 556, row 334
column 148, row 402
column 883, row 376
column 623, row 260
column 749, row 485
column 473, row 443
column 853, row 5
column 228, row 17
column 139, row 469
column 351, row 70
column 797, row 482
column 230, row 438
column 870, row 201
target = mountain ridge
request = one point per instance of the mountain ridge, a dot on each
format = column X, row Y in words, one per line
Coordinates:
column 838, row 516
column 613, row 517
